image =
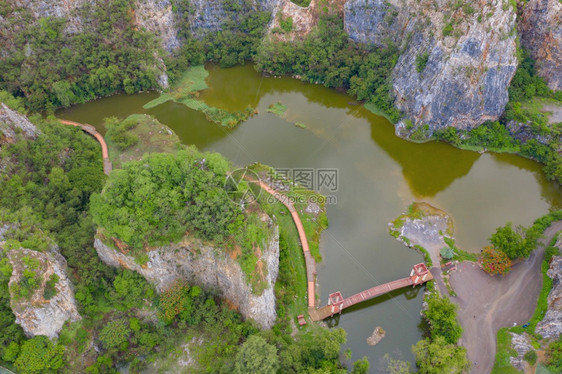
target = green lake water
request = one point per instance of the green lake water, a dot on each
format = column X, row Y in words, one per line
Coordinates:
column 379, row 175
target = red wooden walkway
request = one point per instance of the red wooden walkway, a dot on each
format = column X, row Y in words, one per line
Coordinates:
column 337, row 303
column 308, row 259
column 107, row 166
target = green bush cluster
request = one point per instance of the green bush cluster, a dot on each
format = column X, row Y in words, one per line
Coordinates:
column 50, row 291
column 421, row 61
column 495, row 136
column 439, row 352
column 154, row 201
column 50, row 67
column 119, row 134
column 519, row 242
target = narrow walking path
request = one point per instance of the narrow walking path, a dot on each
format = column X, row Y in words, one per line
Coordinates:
column 419, row 275
column 107, row 166
column 309, row 260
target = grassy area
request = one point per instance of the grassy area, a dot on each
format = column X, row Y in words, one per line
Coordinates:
column 151, row 136
column 278, row 109
column 291, row 288
column 459, row 254
column 503, row 353
column 542, row 302
column 536, row 104
column 186, row 92
column 426, row 256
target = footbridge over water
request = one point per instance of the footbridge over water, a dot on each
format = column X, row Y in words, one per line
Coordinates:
column 336, row 303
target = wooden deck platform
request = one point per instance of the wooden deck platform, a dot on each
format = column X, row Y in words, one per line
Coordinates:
column 326, row 311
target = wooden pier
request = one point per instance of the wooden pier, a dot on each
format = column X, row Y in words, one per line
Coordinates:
column 336, row 303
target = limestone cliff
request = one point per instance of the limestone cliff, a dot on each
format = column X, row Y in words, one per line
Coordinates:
column 158, row 18
column 541, row 32
column 50, row 303
column 457, row 61
column 551, row 325
column 303, row 19
column 14, row 125
column 209, row 267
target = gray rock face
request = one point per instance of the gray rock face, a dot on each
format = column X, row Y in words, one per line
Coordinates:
column 206, row 16
column 158, row 18
column 541, row 32
column 470, row 57
column 551, row 325
column 54, row 8
column 208, row 267
column 36, row 315
column 12, row 124
column 525, row 132
column 522, row 345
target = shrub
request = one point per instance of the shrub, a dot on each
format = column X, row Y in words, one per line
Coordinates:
column 494, row 261
column 115, row 333
column 531, row 357
column 421, row 61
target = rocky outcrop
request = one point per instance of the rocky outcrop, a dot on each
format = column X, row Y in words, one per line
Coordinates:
column 551, row 325
column 540, row 28
column 208, row 267
column 158, row 18
column 14, row 125
column 526, row 131
column 302, row 19
column 57, row 9
column 40, row 313
column 456, row 62
column 209, row 15
column 521, row 344
column 426, row 226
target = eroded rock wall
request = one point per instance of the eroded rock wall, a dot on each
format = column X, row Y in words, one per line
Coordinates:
column 208, row 267
column 35, row 314
column 540, row 28
column 551, row 325
column 456, row 63
column 158, row 18
column 13, row 125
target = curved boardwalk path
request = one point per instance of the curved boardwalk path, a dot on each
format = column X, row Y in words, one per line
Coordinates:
column 419, row 275
column 309, row 260
column 107, row 166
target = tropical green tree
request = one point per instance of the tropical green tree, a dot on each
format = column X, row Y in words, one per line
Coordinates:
column 437, row 356
column 115, row 333
column 157, row 199
column 441, row 315
column 39, row 354
column 256, row 356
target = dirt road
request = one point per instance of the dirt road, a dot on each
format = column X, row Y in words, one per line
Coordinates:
column 487, row 303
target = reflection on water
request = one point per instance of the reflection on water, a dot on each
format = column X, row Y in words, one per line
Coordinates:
column 379, row 176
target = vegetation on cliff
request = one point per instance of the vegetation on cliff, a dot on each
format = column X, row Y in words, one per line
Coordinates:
column 329, row 57
column 50, row 67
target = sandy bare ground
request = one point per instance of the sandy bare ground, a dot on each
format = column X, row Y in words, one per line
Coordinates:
column 488, row 303
column 556, row 111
